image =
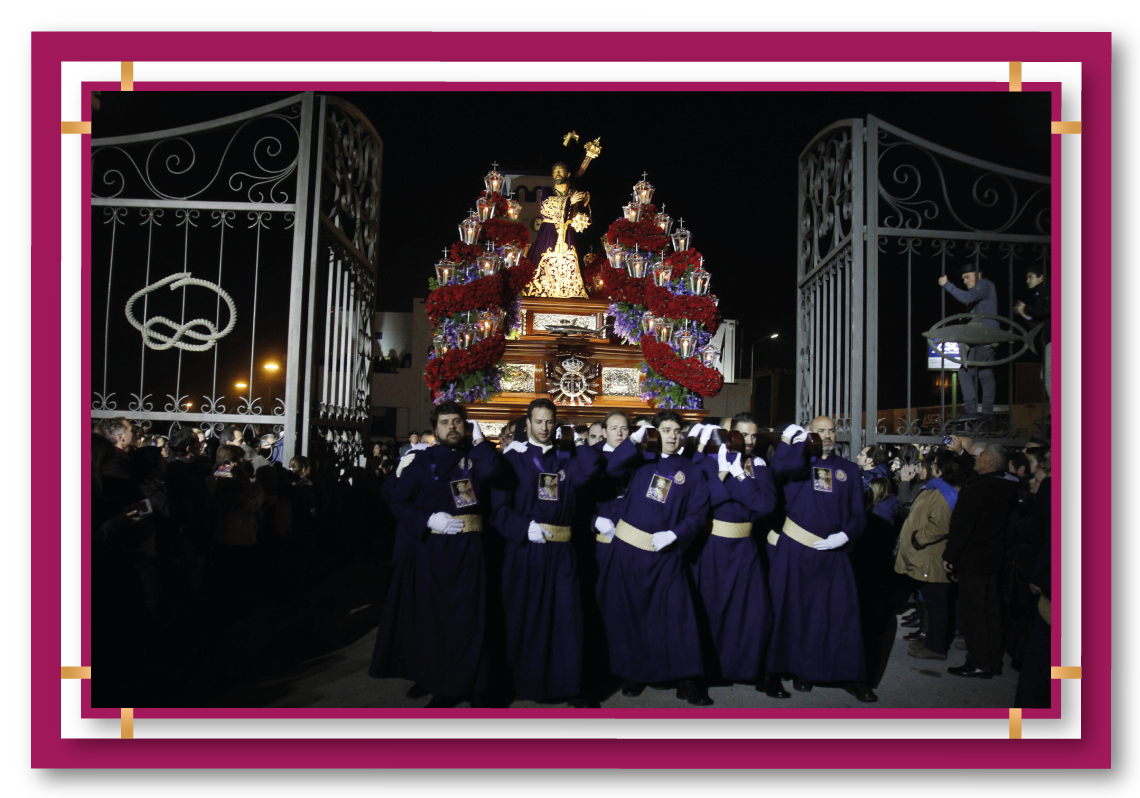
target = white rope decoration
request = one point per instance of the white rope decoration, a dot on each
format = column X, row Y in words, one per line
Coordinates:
column 179, row 280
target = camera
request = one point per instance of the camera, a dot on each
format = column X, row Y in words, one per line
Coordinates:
column 947, row 440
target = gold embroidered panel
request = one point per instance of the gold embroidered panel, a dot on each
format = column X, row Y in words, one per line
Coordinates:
column 585, row 322
column 491, row 429
column 621, row 382
column 518, row 378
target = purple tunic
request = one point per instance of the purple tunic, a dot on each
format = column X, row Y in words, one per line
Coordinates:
column 433, row 622
column 734, row 607
column 816, row 634
column 651, row 622
column 540, row 580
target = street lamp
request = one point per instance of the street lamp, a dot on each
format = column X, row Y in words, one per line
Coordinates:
column 241, row 386
column 271, row 367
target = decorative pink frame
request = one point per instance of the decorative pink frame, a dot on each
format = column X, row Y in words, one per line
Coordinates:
column 49, row 749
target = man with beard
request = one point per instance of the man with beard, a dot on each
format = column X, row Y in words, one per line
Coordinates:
column 644, row 594
column 565, row 212
column 533, row 509
column 432, row 627
column 733, row 607
column 816, row 634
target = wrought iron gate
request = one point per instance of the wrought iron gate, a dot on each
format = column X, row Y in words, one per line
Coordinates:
column 215, row 243
column 879, row 206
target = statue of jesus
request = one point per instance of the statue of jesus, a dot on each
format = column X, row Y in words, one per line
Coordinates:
column 565, row 212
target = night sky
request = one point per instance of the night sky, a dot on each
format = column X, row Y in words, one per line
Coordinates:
column 724, row 161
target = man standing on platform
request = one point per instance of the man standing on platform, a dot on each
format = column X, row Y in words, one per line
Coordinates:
column 651, row 621
column 533, row 510
column 980, row 297
column 817, row 636
column 733, row 606
column 433, row 623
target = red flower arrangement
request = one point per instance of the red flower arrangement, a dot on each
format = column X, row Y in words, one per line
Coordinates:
column 459, row 362
column 646, row 235
column 518, row 277
column 618, row 286
column 501, row 232
column 688, row 372
column 591, row 265
column 465, row 253
column 680, row 261
column 500, row 202
column 482, row 293
column 663, row 302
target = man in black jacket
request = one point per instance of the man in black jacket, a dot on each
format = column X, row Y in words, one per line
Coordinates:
column 979, row 527
column 1039, row 310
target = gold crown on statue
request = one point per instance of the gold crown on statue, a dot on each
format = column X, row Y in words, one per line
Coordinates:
column 573, row 364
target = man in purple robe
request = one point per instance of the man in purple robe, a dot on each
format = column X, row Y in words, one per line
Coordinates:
column 816, row 634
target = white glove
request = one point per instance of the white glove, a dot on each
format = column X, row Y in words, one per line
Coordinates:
column 663, row 539
column 791, row 430
column 442, row 522
column 405, row 461
column 706, row 433
column 831, row 542
column 535, row 533
column 419, row 446
column 476, row 432
column 758, row 462
column 800, row 436
column 722, row 463
column 558, row 433
column 515, row 446
column 736, row 469
column 605, row 526
column 639, row 435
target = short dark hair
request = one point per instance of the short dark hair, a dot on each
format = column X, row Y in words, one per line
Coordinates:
column 667, row 415
column 878, row 453
column 426, row 432
column 953, row 472
column 229, row 453
column 231, row 430
column 1038, row 271
column 111, row 427
column 182, row 439
column 743, row 418
column 1019, row 460
column 541, row 404
column 582, row 429
column 447, row 409
column 611, row 414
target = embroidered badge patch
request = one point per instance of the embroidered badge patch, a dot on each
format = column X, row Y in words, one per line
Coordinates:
column 679, row 477
column 462, row 493
column 841, row 476
column 548, row 487
column 659, row 488
column 465, row 463
column 821, row 479
column 561, row 476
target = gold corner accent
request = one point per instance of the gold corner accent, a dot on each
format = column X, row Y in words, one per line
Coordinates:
column 1066, row 127
column 1066, row 672
column 1015, row 723
column 128, row 76
column 1015, row 76
column 75, row 672
column 127, row 723
column 75, row 127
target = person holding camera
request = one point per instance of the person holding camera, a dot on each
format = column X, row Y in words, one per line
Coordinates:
column 980, row 298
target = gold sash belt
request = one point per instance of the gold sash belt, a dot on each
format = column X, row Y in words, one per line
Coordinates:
column 799, row 534
column 556, row 534
column 634, row 537
column 602, row 538
column 727, row 529
column 471, row 523
column 773, row 536
column 1045, row 609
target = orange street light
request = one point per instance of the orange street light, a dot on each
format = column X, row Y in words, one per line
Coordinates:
column 240, row 385
column 271, row 367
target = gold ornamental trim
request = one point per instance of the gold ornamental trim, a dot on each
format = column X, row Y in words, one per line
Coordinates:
column 727, row 529
column 634, row 537
column 556, row 534
column 799, row 534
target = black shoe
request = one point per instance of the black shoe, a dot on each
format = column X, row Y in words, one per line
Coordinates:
column 694, row 693
column 415, row 691
column 861, row 692
column 913, row 623
column 632, row 689
column 444, row 702
column 970, row 671
column 584, row 703
column 917, row 634
column 774, row 688
column 801, row 686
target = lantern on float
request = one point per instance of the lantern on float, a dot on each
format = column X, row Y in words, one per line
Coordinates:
column 709, row 356
column 485, row 325
column 617, row 257
column 643, row 191
column 466, row 335
column 686, row 343
column 513, row 208
column 663, row 329
column 511, row 253
column 662, row 273
column 493, row 180
column 488, row 262
column 469, row 229
column 682, row 238
column 442, row 347
column 445, row 271
column 486, row 206
column 664, row 220
column 699, row 279
column 636, row 263
column 648, row 323
column 632, row 212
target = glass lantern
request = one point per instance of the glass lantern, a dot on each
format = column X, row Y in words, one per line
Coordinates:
column 486, row 206
column 632, row 212
column 648, row 322
column 487, row 263
column 445, row 271
column 682, row 238
column 442, row 347
column 498, row 316
column 715, row 300
column 699, row 279
column 493, row 180
column 599, row 283
column 710, row 355
column 662, row 273
column 617, row 258
column 469, row 229
column 643, row 190
column 511, row 253
column 466, row 335
column 686, row 343
column 513, row 208
column 485, row 325
column 636, row 263
column 664, row 221
column 663, row 330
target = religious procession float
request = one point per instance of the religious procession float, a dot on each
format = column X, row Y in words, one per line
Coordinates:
column 517, row 317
